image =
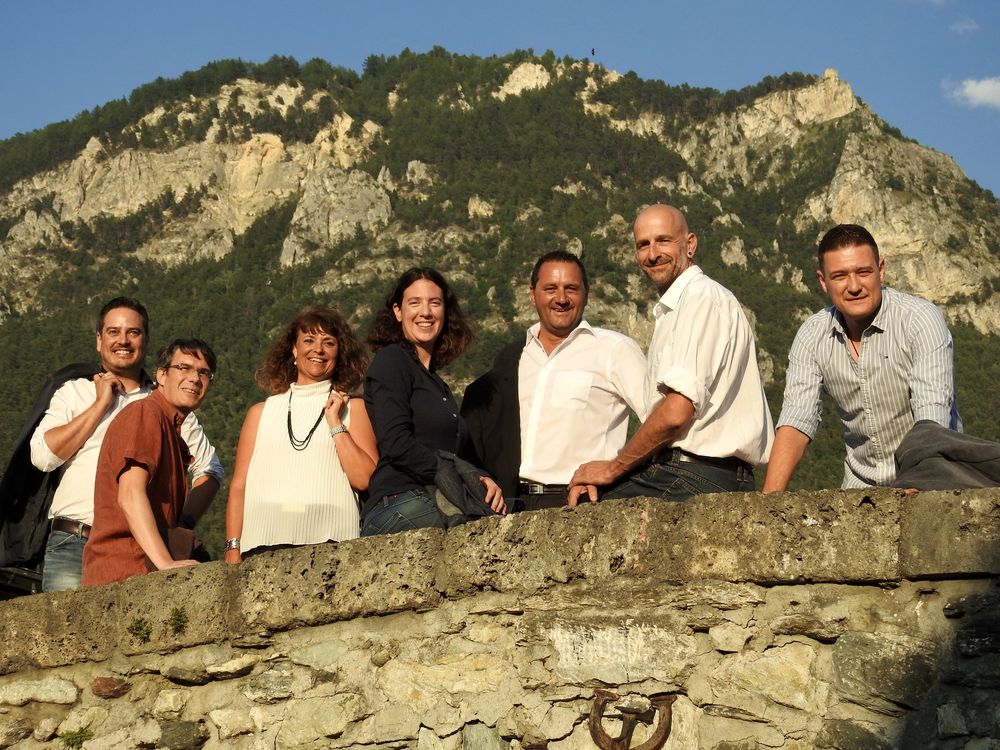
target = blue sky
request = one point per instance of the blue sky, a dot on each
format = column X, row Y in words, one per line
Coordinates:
column 929, row 67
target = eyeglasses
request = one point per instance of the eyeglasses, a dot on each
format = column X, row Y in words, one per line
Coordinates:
column 203, row 372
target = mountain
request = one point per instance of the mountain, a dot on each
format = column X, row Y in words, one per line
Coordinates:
column 229, row 197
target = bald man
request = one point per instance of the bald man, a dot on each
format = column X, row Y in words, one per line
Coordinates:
column 708, row 423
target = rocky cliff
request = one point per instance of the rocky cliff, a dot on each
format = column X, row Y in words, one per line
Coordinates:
column 917, row 202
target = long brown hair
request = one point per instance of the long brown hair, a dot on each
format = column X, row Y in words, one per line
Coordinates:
column 456, row 336
column 277, row 372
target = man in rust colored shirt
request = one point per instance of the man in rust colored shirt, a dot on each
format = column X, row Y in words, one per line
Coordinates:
column 141, row 486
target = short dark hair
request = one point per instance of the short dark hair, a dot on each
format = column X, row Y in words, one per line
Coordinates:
column 278, row 369
column 559, row 256
column 456, row 335
column 188, row 346
column 128, row 302
column 845, row 235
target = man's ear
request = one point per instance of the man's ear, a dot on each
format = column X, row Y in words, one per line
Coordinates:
column 881, row 270
column 398, row 313
column 692, row 244
column 97, row 345
column 161, row 376
column 822, row 281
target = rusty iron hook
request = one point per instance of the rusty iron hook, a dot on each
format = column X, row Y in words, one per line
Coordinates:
column 660, row 704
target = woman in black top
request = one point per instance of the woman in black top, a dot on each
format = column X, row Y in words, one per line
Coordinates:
column 419, row 329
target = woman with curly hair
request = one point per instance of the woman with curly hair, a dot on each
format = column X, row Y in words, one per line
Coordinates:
column 305, row 452
column 419, row 329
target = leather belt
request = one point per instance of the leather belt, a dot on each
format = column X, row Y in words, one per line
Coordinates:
column 669, row 455
column 69, row 526
column 537, row 488
column 676, row 455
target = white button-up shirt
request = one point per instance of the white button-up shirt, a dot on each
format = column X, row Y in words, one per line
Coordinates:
column 703, row 348
column 575, row 402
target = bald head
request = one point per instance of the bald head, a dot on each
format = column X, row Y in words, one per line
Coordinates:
column 662, row 212
column 664, row 246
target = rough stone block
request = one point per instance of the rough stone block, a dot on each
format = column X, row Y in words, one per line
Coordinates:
column 13, row 731
column 883, row 673
column 791, row 537
column 783, row 675
column 950, row 533
column 183, row 735
column 109, row 687
column 481, row 737
column 844, row 734
column 49, row 689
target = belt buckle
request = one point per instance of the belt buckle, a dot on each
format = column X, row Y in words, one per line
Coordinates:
column 535, row 488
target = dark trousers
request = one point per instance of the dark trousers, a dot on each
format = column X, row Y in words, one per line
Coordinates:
column 677, row 476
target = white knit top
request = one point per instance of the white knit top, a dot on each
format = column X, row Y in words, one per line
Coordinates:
column 297, row 497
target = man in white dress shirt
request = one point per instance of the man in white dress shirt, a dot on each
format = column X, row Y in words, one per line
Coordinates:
column 72, row 430
column 883, row 356
column 558, row 397
column 708, row 423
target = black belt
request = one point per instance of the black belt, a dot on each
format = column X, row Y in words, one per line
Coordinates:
column 69, row 526
column 537, row 488
column 675, row 455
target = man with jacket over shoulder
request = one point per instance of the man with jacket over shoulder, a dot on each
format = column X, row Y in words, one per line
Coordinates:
column 70, row 434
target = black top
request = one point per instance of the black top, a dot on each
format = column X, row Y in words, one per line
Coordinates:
column 413, row 414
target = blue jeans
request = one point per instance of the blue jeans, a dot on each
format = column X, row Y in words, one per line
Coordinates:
column 681, row 480
column 413, row 509
column 63, row 564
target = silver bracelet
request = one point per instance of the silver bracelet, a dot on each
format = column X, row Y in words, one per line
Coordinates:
column 337, row 430
column 233, row 543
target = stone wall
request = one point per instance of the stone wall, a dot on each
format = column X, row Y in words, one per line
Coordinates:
column 830, row 620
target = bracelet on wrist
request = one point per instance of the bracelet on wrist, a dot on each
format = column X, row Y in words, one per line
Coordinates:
column 233, row 543
column 337, row 430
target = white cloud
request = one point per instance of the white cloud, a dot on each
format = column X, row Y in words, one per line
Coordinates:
column 964, row 26
column 984, row 92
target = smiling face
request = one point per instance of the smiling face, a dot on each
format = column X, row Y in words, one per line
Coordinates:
column 184, row 382
column 315, row 354
column 852, row 276
column 664, row 248
column 560, row 297
column 421, row 315
column 121, row 342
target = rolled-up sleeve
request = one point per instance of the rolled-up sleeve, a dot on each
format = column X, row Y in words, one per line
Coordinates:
column 699, row 348
column 801, row 405
column 66, row 403
column 204, row 461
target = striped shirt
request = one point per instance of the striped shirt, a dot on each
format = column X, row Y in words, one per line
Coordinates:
column 905, row 373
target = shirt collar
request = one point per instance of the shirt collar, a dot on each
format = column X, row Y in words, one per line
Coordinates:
column 173, row 413
column 532, row 334
column 672, row 297
column 880, row 321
